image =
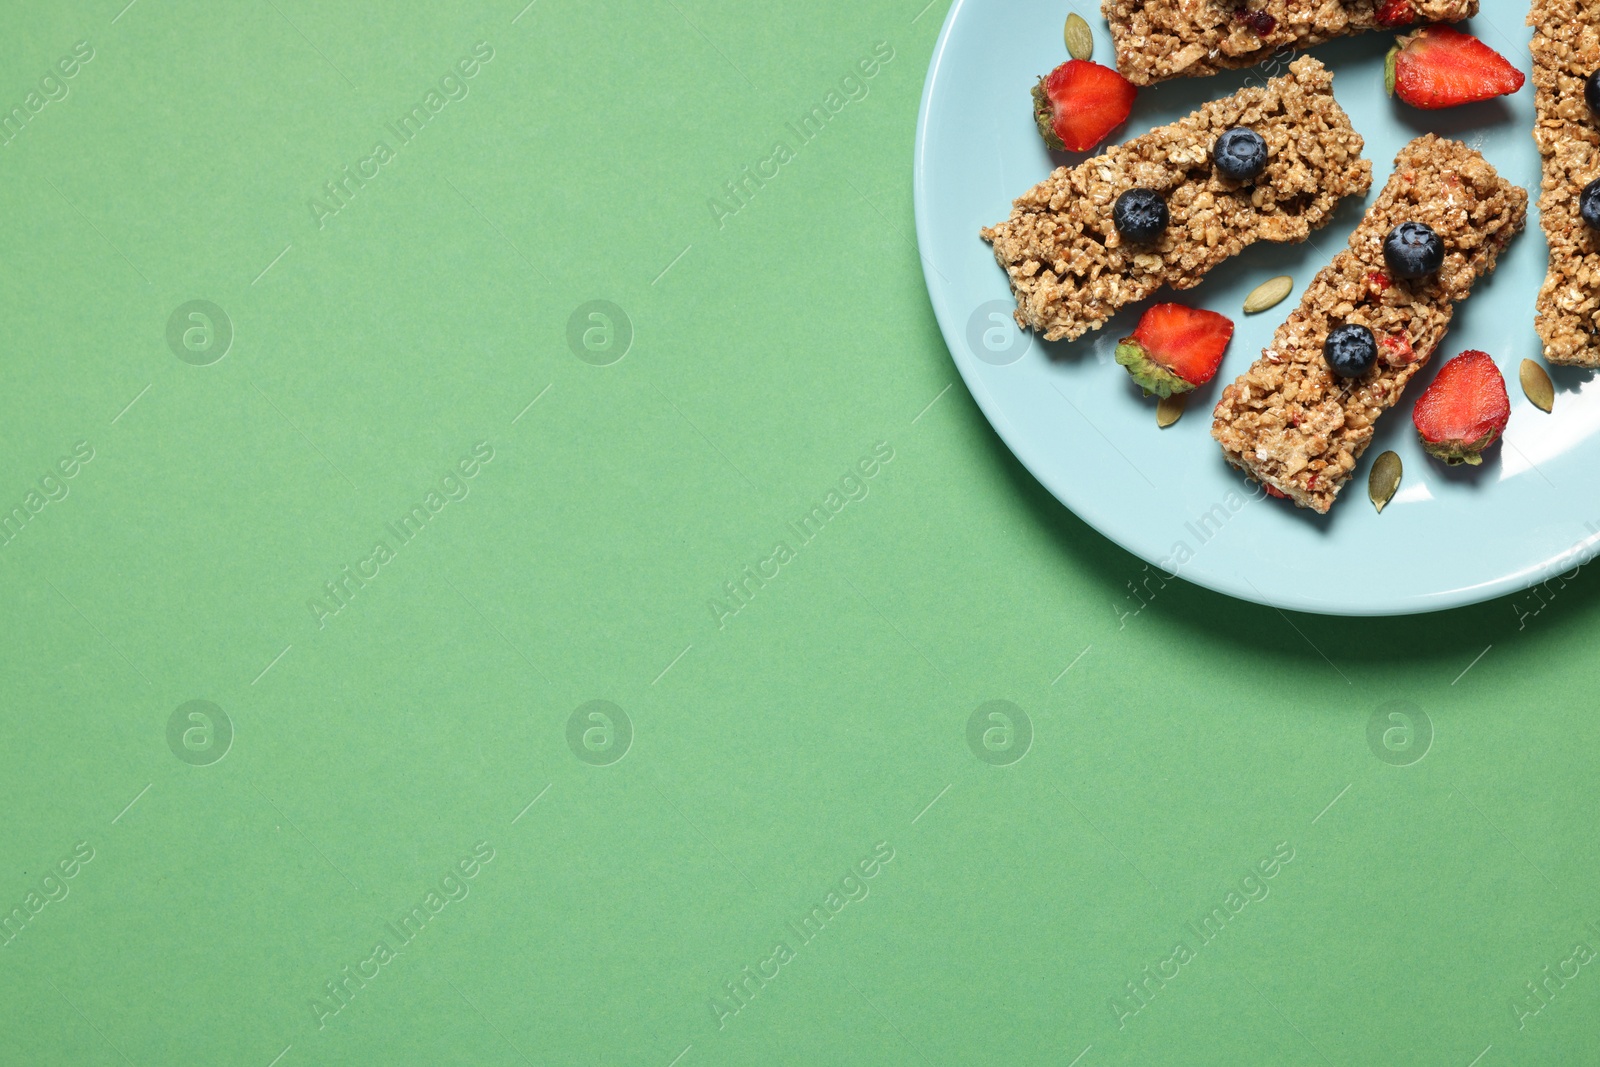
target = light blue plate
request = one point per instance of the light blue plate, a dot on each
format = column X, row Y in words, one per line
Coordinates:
column 1074, row 418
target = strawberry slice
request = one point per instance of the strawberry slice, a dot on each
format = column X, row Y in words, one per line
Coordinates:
column 1392, row 13
column 1441, row 67
column 1078, row 104
column 1464, row 411
column 1175, row 348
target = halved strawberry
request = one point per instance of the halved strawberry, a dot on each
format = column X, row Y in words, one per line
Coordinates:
column 1441, row 67
column 1464, row 411
column 1392, row 13
column 1175, row 348
column 1078, row 104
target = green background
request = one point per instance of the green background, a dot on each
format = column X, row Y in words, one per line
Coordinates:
column 1441, row 858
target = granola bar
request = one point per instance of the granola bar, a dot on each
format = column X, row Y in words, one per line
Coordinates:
column 1069, row 268
column 1288, row 421
column 1160, row 39
column 1566, row 50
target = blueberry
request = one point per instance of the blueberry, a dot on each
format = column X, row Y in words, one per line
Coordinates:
column 1589, row 204
column 1240, row 154
column 1413, row 250
column 1140, row 215
column 1591, row 92
column 1350, row 350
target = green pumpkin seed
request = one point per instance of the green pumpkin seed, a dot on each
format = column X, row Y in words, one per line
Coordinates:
column 1536, row 384
column 1169, row 409
column 1268, row 293
column 1080, row 39
column 1384, row 479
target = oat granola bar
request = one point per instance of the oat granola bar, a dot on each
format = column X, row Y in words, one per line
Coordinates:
column 1566, row 50
column 1288, row 422
column 1071, row 271
column 1160, row 39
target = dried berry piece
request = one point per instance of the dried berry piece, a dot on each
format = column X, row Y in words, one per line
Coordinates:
column 1260, row 23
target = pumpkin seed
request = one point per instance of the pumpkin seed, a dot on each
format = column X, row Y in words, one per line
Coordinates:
column 1536, row 384
column 1080, row 39
column 1268, row 293
column 1169, row 409
column 1384, row 479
